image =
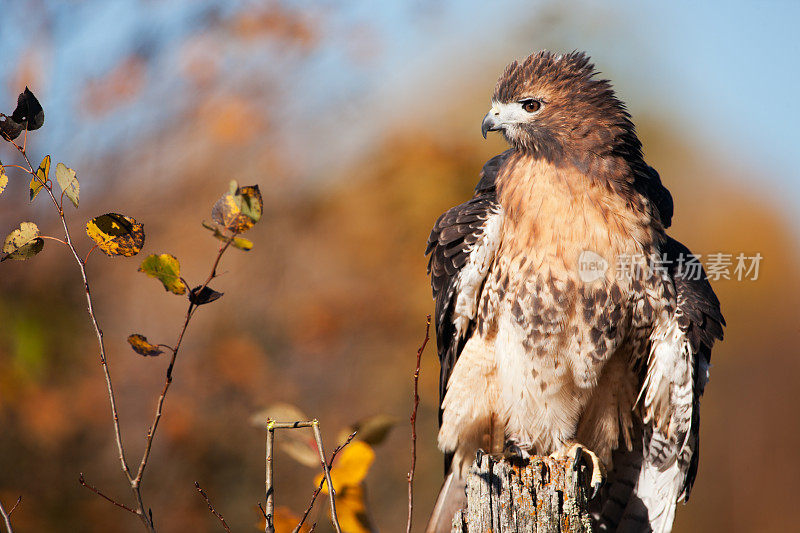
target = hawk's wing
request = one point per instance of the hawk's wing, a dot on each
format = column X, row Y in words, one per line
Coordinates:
column 648, row 182
column 700, row 319
column 677, row 373
column 462, row 245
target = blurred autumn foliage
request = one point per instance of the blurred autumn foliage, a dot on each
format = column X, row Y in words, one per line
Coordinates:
column 324, row 313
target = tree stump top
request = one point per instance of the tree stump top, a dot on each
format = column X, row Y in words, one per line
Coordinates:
column 543, row 496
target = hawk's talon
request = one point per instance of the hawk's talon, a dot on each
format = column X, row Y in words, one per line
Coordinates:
column 577, row 452
column 576, row 460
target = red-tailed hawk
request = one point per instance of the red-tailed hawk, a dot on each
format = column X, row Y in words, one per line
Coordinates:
column 566, row 323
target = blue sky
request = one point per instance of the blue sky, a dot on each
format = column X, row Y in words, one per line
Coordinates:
column 726, row 71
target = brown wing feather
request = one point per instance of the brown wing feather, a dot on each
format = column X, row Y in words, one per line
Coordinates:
column 449, row 246
column 700, row 318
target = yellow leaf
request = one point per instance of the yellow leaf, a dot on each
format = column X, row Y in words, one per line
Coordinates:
column 39, row 181
column 23, row 243
column 167, row 269
column 352, row 510
column 116, row 234
column 284, row 521
column 3, row 179
column 68, row 181
column 242, row 244
column 351, row 466
column 141, row 346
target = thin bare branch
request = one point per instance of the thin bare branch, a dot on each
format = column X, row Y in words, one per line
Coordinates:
column 414, row 427
column 269, row 527
column 16, row 166
column 89, row 253
column 327, row 470
column 6, row 519
column 211, row 507
column 53, row 239
column 84, row 483
column 10, row 512
column 321, row 484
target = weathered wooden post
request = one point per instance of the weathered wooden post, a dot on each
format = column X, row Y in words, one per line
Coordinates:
column 545, row 495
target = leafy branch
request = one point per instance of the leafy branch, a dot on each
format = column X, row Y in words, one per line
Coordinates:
column 119, row 235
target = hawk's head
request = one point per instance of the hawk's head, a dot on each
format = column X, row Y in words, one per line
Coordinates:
column 553, row 107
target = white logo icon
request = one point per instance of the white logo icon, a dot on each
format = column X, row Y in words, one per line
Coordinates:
column 591, row 266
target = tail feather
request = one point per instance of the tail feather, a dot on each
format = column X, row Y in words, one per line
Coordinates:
column 452, row 497
column 615, row 502
column 643, row 488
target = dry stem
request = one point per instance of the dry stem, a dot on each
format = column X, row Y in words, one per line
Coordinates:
column 5, row 517
column 414, row 427
column 269, row 513
column 321, row 484
column 211, row 507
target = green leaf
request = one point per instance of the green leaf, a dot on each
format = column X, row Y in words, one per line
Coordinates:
column 238, row 209
column 23, row 243
column 238, row 242
column 42, row 174
column 69, row 182
column 142, row 347
column 167, row 269
column 3, row 178
column 252, row 203
column 116, row 234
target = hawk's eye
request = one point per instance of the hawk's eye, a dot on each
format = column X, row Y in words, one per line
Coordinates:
column 531, row 106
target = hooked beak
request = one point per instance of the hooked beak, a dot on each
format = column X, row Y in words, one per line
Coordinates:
column 491, row 122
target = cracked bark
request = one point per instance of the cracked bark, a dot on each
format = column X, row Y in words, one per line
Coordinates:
column 544, row 496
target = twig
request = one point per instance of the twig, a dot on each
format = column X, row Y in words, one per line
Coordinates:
column 168, row 381
column 269, row 514
column 414, row 427
column 211, row 507
column 92, row 249
column 19, row 499
column 321, row 483
column 15, row 166
column 6, row 518
column 269, row 527
column 53, row 239
column 327, row 470
column 83, row 482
